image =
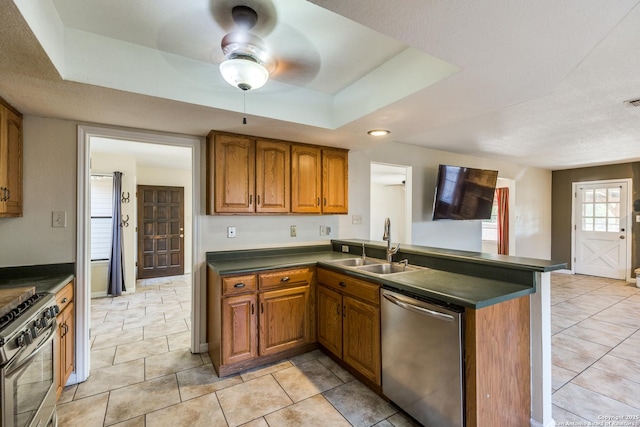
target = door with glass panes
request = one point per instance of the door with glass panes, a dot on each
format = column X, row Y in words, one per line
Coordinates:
column 601, row 229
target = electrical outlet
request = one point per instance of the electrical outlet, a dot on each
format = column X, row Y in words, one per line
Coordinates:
column 356, row 219
column 293, row 231
column 59, row 219
column 231, row 232
column 345, row 249
column 328, row 231
column 323, row 230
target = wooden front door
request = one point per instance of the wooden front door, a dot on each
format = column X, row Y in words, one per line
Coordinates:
column 160, row 231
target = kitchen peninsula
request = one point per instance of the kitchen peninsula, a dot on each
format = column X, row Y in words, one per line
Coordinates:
column 494, row 292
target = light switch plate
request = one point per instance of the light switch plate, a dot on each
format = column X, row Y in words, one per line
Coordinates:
column 231, row 232
column 293, row 231
column 58, row 219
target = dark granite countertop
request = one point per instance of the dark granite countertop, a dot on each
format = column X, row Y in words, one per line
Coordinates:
column 50, row 284
column 466, row 290
column 46, row 278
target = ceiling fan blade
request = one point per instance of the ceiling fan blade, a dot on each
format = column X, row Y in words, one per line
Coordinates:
column 297, row 60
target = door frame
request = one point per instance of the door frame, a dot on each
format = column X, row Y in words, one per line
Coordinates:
column 408, row 199
column 628, row 225
column 82, row 298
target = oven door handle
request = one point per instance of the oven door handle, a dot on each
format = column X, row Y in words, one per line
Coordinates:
column 17, row 362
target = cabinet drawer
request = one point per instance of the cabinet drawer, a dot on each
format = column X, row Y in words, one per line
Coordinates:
column 282, row 278
column 238, row 284
column 350, row 286
column 64, row 296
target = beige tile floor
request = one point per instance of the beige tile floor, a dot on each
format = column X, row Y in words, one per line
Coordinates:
column 595, row 348
column 143, row 374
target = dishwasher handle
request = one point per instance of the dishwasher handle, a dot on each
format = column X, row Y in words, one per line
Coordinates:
column 421, row 310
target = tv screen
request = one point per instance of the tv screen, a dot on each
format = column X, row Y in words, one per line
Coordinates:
column 464, row 193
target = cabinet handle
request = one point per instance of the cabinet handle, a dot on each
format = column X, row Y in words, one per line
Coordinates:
column 3, row 198
column 344, row 285
column 258, row 199
column 285, row 279
column 237, row 285
column 261, row 307
column 66, row 329
column 344, row 311
column 252, row 309
column 250, row 199
column 64, row 300
column 8, row 193
column 318, row 201
column 338, row 309
column 325, row 201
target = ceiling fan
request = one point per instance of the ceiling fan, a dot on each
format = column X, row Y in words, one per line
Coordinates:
column 248, row 60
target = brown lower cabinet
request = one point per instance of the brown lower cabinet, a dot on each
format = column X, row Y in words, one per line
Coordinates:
column 349, row 321
column 65, row 338
column 257, row 318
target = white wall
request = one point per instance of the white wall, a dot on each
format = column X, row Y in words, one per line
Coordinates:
column 50, row 185
column 388, row 201
column 532, row 207
column 49, row 179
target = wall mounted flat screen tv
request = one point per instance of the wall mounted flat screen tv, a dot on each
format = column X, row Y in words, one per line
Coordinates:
column 464, row 193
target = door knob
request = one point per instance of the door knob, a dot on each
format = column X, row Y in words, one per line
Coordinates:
column 622, row 237
column 182, row 236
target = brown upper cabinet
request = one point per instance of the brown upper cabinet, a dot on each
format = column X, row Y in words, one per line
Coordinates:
column 10, row 162
column 335, row 175
column 249, row 175
column 306, row 179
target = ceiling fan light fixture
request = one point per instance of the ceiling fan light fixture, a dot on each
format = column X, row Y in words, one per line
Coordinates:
column 244, row 72
column 379, row 132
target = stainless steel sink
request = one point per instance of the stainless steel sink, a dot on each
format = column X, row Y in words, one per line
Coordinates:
column 387, row 268
column 374, row 266
column 357, row 262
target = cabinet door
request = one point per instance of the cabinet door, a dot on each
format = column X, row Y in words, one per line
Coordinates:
column 361, row 342
column 239, row 338
column 306, row 180
column 273, row 176
column 65, row 346
column 335, row 181
column 234, row 173
column 10, row 163
column 285, row 319
column 330, row 320
column 69, row 343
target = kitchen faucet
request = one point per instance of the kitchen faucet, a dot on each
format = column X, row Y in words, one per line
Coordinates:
column 387, row 236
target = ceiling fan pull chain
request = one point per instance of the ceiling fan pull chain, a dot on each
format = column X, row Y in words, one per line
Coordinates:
column 244, row 107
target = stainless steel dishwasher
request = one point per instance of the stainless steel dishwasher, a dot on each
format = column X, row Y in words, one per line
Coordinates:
column 422, row 370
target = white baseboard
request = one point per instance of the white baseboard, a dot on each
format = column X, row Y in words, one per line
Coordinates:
column 550, row 423
column 98, row 294
column 564, row 271
column 204, row 347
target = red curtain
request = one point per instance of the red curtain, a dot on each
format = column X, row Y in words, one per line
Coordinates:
column 502, row 195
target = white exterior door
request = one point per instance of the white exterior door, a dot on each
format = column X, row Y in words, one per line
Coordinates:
column 601, row 229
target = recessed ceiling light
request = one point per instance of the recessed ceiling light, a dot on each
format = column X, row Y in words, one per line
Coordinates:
column 378, row 132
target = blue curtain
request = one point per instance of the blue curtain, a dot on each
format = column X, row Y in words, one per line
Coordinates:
column 115, row 278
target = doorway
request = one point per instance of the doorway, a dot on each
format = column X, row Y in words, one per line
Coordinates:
column 131, row 141
column 602, row 228
column 390, row 196
column 160, row 231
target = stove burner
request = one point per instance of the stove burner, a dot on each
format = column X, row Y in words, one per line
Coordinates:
column 16, row 312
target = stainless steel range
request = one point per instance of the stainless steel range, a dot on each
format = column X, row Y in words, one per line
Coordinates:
column 27, row 370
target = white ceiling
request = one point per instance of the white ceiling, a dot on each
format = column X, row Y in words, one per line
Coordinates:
column 537, row 83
